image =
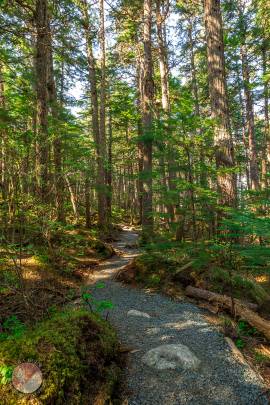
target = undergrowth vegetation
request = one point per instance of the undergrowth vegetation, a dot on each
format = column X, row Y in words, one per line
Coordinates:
column 237, row 265
column 42, row 268
column 51, row 266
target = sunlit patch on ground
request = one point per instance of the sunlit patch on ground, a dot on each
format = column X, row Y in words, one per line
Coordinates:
column 262, row 279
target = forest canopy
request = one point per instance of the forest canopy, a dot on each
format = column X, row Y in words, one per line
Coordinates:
column 156, row 111
column 151, row 112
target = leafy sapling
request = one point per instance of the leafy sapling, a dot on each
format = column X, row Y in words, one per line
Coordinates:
column 93, row 304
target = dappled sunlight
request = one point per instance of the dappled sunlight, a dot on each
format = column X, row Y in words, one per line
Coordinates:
column 165, row 338
column 262, row 279
column 108, row 268
column 152, row 331
column 31, row 275
column 183, row 324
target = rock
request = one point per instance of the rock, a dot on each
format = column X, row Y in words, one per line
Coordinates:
column 171, row 357
column 134, row 312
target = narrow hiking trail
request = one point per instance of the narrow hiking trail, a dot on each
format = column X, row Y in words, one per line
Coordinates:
column 208, row 375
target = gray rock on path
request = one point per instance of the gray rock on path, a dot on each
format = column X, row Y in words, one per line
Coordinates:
column 171, row 357
column 134, row 312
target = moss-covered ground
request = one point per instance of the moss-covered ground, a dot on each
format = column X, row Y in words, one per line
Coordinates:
column 78, row 355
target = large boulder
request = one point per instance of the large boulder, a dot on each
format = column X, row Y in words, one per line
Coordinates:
column 171, row 357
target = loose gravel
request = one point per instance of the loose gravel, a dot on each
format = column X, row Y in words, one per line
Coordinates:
column 220, row 379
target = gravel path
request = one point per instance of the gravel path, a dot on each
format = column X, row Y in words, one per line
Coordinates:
column 220, row 379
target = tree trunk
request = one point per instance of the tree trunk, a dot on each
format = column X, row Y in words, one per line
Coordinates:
column 253, row 159
column 266, row 148
column 87, row 201
column 165, row 93
column 195, row 91
column 163, row 58
column 147, row 121
column 3, row 151
column 224, row 151
column 109, row 169
column 101, row 184
column 243, row 124
column 42, row 42
column 140, row 131
column 102, row 116
column 57, row 143
column 73, row 199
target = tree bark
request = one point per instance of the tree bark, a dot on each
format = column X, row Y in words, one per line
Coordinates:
column 87, row 201
column 57, row 142
column 266, row 149
column 163, row 58
column 102, row 116
column 3, row 151
column 42, row 42
column 253, row 159
column 109, row 169
column 147, row 121
column 224, row 150
column 165, row 93
column 195, row 91
column 73, row 199
column 99, row 142
column 243, row 124
column 139, row 80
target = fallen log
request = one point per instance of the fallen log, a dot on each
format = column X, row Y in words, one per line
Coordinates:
column 210, row 296
column 239, row 308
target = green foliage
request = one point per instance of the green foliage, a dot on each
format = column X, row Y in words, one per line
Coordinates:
column 223, row 264
column 93, row 304
column 245, row 329
column 6, row 374
column 240, row 344
column 154, row 280
column 12, row 328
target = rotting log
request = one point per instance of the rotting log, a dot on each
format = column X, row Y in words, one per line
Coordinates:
column 237, row 307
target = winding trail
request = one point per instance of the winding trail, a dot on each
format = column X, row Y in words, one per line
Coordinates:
column 220, row 379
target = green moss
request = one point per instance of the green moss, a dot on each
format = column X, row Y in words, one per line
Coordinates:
column 251, row 289
column 222, row 281
column 151, row 269
column 103, row 249
column 76, row 351
column 205, row 264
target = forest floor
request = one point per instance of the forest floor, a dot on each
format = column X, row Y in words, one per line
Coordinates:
column 77, row 351
column 221, row 377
